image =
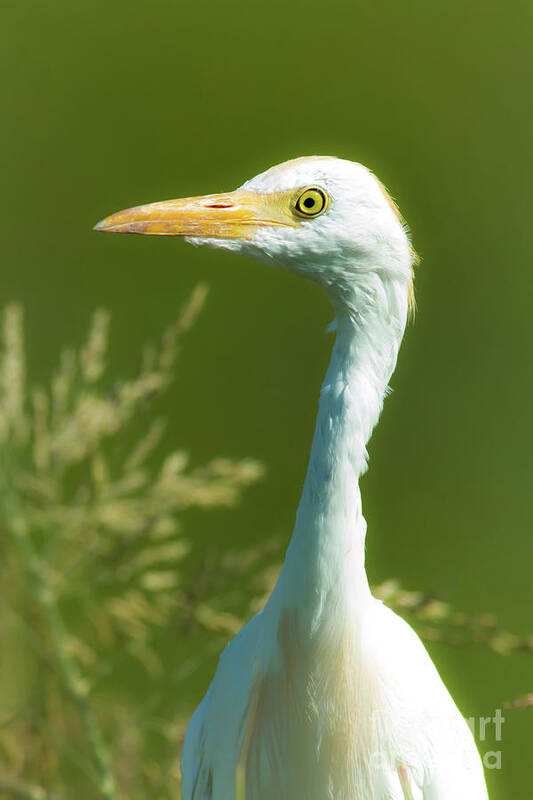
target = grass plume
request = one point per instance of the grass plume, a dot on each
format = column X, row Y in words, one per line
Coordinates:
column 110, row 607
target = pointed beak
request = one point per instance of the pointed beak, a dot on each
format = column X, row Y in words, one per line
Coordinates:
column 236, row 215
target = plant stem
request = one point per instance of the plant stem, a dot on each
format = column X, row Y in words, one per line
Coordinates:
column 73, row 681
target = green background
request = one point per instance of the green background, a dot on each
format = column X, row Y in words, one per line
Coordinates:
column 110, row 104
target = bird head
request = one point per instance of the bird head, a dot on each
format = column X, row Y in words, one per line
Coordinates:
column 328, row 219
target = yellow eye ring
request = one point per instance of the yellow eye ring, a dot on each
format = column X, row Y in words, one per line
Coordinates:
column 311, row 202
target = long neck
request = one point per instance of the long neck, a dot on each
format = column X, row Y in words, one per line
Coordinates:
column 324, row 566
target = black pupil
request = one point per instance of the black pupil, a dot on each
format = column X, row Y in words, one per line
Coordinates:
column 309, row 202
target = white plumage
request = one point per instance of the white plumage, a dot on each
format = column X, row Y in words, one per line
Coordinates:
column 326, row 694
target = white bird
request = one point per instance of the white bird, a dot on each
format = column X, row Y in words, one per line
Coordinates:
column 326, row 694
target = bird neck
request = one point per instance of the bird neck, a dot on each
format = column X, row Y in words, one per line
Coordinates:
column 325, row 565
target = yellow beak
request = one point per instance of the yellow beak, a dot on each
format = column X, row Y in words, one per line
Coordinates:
column 236, row 215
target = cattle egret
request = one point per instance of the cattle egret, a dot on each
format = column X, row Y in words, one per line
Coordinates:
column 326, row 694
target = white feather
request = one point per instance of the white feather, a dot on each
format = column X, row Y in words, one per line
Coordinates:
column 326, row 694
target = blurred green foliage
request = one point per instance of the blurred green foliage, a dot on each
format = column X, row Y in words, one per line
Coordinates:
column 84, row 515
column 112, row 103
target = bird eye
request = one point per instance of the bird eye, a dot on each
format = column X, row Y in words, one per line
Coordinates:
column 311, row 202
